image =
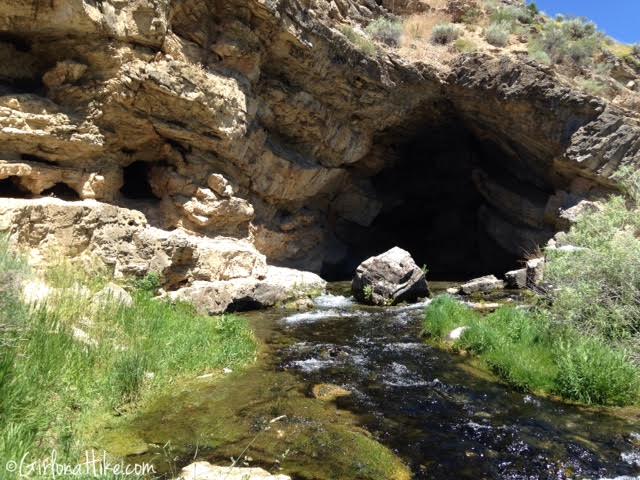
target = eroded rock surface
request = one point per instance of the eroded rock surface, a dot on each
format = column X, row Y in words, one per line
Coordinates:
column 256, row 128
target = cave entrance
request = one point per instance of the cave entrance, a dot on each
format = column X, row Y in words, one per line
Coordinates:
column 63, row 191
column 10, row 188
column 443, row 200
column 136, row 185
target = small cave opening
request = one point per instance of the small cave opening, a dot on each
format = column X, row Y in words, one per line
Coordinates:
column 62, row 191
column 10, row 188
column 442, row 195
column 136, row 184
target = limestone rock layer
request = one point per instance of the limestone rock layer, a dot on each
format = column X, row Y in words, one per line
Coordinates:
column 259, row 125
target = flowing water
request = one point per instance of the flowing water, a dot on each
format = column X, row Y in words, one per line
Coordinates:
column 441, row 416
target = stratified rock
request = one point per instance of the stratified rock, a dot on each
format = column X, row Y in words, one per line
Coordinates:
column 260, row 121
column 488, row 283
column 516, row 279
column 389, row 278
column 279, row 285
column 206, row 471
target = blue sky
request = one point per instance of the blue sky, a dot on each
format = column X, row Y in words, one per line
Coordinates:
column 618, row 18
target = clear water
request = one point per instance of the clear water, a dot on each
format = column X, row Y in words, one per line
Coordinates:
column 444, row 418
column 440, row 416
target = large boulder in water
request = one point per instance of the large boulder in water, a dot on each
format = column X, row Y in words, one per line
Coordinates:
column 389, row 278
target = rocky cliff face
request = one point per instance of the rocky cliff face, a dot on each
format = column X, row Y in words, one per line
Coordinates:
column 259, row 122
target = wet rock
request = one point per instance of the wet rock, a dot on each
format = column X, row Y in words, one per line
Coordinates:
column 328, row 392
column 488, row 283
column 389, row 278
column 206, row 471
column 516, row 279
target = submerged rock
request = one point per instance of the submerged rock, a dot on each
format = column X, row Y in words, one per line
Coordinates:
column 206, row 471
column 484, row 284
column 389, row 278
column 328, row 392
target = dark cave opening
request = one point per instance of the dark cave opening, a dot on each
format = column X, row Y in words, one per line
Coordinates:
column 136, row 185
column 10, row 188
column 434, row 207
column 63, row 191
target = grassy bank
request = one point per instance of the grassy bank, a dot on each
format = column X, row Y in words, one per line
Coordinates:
column 527, row 350
column 582, row 340
column 70, row 362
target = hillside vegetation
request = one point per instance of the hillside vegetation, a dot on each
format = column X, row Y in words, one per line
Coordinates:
column 442, row 29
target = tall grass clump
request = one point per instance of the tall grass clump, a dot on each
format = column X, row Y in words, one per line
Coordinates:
column 528, row 351
column 68, row 361
column 598, row 289
column 386, row 31
column 445, row 33
column 497, row 34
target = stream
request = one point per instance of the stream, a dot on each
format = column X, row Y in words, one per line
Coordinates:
column 444, row 418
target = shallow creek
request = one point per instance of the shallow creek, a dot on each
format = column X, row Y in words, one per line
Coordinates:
column 410, row 404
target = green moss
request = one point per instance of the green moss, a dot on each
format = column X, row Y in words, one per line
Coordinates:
column 310, row 439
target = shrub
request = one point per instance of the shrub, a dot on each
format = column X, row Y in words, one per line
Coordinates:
column 572, row 41
column 635, row 50
column 512, row 14
column 386, row 31
column 578, row 28
column 582, row 50
column 598, row 288
column 445, row 33
column 498, row 34
column 591, row 86
column 539, row 56
column 464, row 45
column 361, row 42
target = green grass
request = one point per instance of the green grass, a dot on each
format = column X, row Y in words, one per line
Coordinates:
column 54, row 386
column 529, row 351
